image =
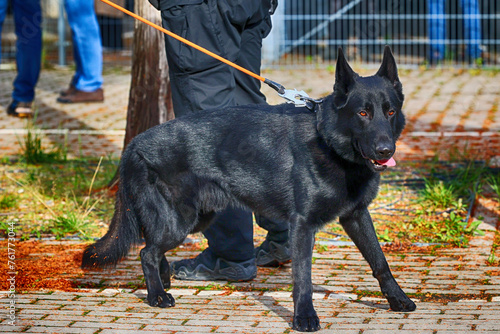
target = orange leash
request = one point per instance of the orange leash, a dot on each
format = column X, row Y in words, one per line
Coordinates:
column 299, row 98
column 183, row 40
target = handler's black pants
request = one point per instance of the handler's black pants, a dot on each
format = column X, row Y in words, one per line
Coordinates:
column 233, row 29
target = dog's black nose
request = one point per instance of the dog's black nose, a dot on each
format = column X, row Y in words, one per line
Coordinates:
column 384, row 152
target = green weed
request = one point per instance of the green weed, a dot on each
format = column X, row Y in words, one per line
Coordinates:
column 33, row 152
column 8, row 201
column 70, row 224
column 321, row 248
column 455, row 229
column 385, row 236
column 438, row 194
column 493, row 181
column 492, row 260
column 467, row 179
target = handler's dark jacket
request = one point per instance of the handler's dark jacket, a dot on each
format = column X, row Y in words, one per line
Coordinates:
column 233, row 29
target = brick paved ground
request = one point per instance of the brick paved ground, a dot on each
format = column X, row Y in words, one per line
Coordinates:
column 455, row 290
column 446, row 110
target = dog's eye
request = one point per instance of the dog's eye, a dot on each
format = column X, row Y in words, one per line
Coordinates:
column 391, row 112
column 363, row 113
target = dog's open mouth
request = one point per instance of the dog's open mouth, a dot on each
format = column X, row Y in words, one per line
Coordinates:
column 381, row 165
column 377, row 165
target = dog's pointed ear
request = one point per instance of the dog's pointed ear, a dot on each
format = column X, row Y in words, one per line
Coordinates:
column 389, row 70
column 344, row 78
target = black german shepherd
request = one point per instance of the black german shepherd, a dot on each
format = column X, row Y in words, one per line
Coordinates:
column 282, row 162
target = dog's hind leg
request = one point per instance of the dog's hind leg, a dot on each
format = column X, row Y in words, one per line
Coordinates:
column 153, row 261
column 167, row 232
column 359, row 227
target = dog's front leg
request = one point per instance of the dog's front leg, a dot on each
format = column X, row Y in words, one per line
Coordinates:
column 359, row 227
column 305, row 318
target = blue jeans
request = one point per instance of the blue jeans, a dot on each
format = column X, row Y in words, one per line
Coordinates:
column 27, row 19
column 87, row 47
column 437, row 28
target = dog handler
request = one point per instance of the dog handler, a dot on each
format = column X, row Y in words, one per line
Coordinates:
column 233, row 29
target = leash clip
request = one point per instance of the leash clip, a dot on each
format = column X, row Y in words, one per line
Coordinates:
column 298, row 98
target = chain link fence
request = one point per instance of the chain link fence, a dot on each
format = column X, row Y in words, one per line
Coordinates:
column 458, row 33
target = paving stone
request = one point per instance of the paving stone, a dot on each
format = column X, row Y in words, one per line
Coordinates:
column 5, row 328
column 44, row 323
column 142, row 331
column 71, row 330
column 110, row 325
column 444, row 110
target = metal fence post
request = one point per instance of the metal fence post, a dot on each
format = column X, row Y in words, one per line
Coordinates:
column 61, row 34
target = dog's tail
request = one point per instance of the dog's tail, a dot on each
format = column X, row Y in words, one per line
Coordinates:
column 123, row 233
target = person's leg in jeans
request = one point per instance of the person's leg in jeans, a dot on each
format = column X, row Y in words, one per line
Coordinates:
column 87, row 48
column 472, row 27
column 437, row 30
column 27, row 20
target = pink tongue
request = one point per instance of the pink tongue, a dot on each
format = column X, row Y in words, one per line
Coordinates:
column 389, row 163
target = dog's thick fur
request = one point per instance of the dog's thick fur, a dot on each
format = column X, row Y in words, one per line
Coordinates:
column 282, row 162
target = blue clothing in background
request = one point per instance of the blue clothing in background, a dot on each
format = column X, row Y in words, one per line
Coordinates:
column 437, row 28
column 87, row 47
column 27, row 20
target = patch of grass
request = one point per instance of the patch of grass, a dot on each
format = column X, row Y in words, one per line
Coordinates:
column 384, row 236
column 493, row 181
column 493, row 260
column 8, row 201
column 456, row 230
column 445, row 201
column 428, row 203
column 320, row 248
column 76, row 222
column 33, row 151
column 438, row 194
column 71, row 179
column 71, row 224
column 59, row 199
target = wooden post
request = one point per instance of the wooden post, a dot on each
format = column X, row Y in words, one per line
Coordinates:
column 150, row 101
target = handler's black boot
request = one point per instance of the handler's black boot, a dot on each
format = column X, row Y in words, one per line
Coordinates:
column 274, row 251
column 208, row 267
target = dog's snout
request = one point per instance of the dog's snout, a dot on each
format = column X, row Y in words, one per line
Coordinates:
column 385, row 151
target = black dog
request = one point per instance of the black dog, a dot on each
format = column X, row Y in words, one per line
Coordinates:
column 282, row 162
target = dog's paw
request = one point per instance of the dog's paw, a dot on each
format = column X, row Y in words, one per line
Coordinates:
column 306, row 324
column 162, row 300
column 401, row 303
